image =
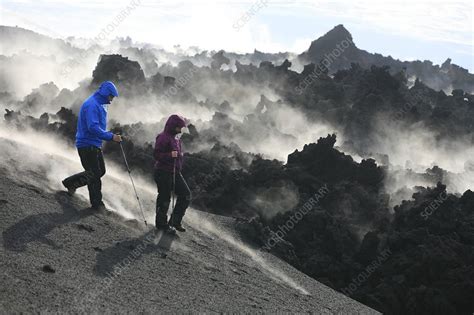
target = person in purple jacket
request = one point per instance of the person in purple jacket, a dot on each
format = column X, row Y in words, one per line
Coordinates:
column 168, row 164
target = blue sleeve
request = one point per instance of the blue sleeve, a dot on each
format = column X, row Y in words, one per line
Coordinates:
column 93, row 124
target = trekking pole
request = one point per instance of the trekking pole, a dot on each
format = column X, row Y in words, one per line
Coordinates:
column 133, row 184
column 174, row 182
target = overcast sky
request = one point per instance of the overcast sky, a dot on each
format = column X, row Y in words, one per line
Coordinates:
column 416, row 29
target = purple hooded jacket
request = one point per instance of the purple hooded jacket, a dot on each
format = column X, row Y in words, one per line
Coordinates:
column 167, row 142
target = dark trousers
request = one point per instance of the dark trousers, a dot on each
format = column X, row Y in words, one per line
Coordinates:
column 164, row 182
column 93, row 162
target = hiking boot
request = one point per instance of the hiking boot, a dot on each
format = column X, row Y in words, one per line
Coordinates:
column 165, row 228
column 70, row 191
column 100, row 207
column 178, row 227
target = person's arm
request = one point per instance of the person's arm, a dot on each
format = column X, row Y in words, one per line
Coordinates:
column 163, row 148
column 93, row 125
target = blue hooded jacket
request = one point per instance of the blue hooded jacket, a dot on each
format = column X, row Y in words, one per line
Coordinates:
column 92, row 120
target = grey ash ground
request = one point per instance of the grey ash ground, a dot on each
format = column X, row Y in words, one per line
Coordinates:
column 57, row 256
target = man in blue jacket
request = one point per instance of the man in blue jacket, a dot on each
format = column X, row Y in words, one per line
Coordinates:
column 91, row 131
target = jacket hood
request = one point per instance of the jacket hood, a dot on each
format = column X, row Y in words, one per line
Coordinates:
column 106, row 88
column 173, row 122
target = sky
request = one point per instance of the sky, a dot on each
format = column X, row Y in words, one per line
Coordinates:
column 408, row 30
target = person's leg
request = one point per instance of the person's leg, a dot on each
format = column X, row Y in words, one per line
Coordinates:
column 101, row 163
column 183, row 200
column 75, row 181
column 80, row 179
column 93, row 162
column 95, row 185
column 164, row 181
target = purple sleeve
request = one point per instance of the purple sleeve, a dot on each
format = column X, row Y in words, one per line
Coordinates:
column 162, row 148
